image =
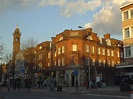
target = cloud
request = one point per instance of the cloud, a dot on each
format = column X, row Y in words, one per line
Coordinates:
column 108, row 19
column 70, row 7
column 67, row 7
column 43, row 3
column 80, row 7
column 7, row 5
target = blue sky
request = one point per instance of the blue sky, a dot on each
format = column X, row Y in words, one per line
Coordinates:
column 43, row 19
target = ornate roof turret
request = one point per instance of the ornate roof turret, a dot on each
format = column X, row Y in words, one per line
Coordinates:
column 17, row 29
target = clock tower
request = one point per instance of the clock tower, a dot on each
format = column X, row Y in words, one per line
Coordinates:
column 16, row 42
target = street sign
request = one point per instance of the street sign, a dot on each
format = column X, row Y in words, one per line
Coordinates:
column 76, row 72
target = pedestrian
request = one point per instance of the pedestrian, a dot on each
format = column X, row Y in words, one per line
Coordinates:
column 18, row 82
column 14, row 84
column 103, row 84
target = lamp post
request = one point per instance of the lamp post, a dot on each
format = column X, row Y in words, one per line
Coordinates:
column 8, row 77
column 89, row 73
column 88, row 61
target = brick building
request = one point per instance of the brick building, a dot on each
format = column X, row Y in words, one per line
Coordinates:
column 79, row 50
column 71, row 55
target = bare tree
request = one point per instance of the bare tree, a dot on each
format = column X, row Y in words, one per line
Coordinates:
column 8, row 57
column 30, row 42
column 28, row 48
column 1, row 50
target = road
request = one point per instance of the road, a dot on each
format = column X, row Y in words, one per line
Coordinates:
column 45, row 94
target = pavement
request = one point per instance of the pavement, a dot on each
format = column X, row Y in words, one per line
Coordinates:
column 109, row 90
column 84, row 90
column 69, row 89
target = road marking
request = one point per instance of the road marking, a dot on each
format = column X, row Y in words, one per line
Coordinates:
column 124, row 97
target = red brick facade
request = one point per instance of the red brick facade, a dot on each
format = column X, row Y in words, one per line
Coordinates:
column 74, row 48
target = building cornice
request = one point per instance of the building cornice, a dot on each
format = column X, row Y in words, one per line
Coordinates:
column 126, row 5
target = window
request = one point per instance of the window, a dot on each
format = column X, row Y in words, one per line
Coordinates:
column 48, row 64
column 74, row 47
column 87, row 48
column 103, row 62
column 87, row 61
column 131, row 13
column 108, row 62
column 55, row 54
column 103, row 51
column 93, row 62
column 113, row 63
column 98, row 50
column 17, row 39
column 40, row 56
column 61, row 38
column 108, row 52
column 89, row 38
column 40, row 47
column 126, row 15
column 59, row 50
column 121, row 54
column 128, row 51
column 99, row 62
column 127, row 33
column 59, row 62
column 55, row 63
column 131, row 29
column 108, row 42
column 49, row 55
column 118, row 62
column 62, row 49
column 112, row 53
column 118, row 54
column 63, row 63
column 92, row 49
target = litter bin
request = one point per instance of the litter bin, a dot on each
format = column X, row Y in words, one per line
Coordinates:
column 125, row 87
column 59, row 88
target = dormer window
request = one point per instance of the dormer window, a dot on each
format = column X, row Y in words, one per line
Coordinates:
column 108, row 42
column 89, row 38
column 61, row 38
column 101, row 41
column 40, row 47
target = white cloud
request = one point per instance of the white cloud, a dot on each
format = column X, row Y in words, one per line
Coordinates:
column 70, row 7
column 80, row 6
column 108, row 19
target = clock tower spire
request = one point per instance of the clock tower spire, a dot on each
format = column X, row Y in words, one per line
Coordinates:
column 16, row 41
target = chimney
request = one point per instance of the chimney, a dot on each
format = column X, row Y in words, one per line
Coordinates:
column 107, row 36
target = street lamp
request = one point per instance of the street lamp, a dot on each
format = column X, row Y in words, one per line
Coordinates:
column 88, row 61
column 8, row 77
